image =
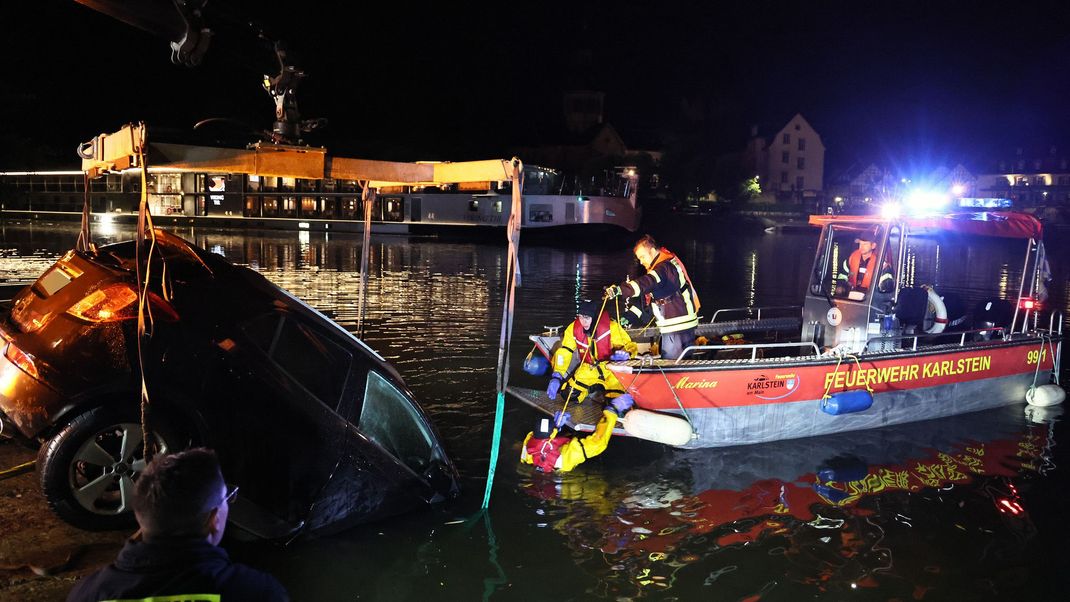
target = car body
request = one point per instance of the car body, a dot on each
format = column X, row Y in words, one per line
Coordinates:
column 318, row 430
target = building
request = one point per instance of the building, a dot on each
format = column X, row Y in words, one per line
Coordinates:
column 863, row 186
column 789, row 162
column 1031, row 180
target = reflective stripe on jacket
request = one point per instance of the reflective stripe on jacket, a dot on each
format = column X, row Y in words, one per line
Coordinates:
column 675, row 302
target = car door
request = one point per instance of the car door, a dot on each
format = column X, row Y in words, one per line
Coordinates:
column 275, row 421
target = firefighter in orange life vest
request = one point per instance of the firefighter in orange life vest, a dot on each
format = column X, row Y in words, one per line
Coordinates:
column 586, row 346
column 860, row 267
column 673, row 298
column 548, row 450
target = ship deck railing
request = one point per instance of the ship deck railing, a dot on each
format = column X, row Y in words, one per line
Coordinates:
column 756, row 311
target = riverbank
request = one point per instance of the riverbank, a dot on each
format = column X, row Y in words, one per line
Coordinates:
column 41, row 557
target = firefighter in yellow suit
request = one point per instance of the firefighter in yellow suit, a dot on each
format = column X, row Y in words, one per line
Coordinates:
column 548, row 450
column 588, row 343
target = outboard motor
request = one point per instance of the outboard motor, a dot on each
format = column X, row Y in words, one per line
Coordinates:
column 992, row 313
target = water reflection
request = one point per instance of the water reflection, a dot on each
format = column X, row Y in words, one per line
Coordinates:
column 873, row 510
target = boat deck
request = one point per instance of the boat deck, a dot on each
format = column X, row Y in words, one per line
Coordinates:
column 584, row 415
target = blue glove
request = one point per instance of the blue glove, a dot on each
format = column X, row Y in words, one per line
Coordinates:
column 612, row 291
column 622, row 404
column 619, row 356
column 553, row 387
column 561, row 418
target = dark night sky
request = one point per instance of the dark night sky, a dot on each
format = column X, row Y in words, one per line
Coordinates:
column 908, row 83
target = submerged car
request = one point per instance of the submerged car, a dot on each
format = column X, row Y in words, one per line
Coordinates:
column 315, row 427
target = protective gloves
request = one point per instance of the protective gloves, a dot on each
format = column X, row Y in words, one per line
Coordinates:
column 619, row 356
column 612, row 291
column 622, row 404
column 561, row 418
column 554, row 386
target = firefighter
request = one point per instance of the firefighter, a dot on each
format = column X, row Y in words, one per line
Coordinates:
column 591, row 340
column 548, row 450
column 673, row 297
column 860, row 266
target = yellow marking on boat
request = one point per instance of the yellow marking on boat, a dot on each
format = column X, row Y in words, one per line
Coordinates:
column 686, row 383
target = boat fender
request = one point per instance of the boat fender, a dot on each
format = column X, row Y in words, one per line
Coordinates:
column 657, row 427
column 1045, row 396
column 938, row 311
column 847, row 402
column 536, row 365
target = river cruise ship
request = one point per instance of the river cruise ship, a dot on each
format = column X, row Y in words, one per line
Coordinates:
column 552, row 201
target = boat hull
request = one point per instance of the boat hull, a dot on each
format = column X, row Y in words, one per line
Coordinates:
column 740, row 403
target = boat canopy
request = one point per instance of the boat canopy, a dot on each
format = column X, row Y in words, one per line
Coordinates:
column 1003, row 224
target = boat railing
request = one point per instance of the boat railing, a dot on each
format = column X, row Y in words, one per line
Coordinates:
column 752, row 310
column 754, row 347
column 914, row 338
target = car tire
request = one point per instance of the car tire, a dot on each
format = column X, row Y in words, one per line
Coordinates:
column 89, row 467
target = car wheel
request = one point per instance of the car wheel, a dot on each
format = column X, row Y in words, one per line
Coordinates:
column 89, row 467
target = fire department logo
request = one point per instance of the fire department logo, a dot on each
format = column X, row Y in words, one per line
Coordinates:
column 777, row 386
column 834, row 316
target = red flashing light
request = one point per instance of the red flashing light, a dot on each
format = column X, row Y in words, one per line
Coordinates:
column 1029, row 304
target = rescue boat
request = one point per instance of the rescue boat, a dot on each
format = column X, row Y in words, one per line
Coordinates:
column 850, row 357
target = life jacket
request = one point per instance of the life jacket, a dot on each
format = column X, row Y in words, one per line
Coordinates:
column 544, row 453
column 686, row 286
column 855, row 269
column 603, row 345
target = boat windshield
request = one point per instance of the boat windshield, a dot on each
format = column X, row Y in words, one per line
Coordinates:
column 851, row 262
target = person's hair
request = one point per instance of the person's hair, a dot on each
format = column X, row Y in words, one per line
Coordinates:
column 646, row 241
column 176, row 493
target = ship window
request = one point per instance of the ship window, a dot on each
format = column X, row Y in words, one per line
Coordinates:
column 473, row 205
column 391, row 420
column 497, row 206
column 541, row 213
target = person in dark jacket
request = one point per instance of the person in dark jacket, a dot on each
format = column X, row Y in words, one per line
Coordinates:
column 672, row 296
column 181, row 504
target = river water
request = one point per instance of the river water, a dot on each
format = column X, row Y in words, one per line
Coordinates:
column 965, row 508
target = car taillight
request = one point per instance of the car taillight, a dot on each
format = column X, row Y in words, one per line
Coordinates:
column 21, row 359
column 109, row 304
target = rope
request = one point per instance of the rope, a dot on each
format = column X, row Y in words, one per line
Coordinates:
column 512, row 281
column 839, row 361
column 145, row 325
column 676, row 397
column 15, row 471
column 367, row 196
column 583, row 358
column 84, row 240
